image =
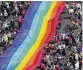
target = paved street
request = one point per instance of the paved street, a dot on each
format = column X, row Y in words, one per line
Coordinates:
column 65, row 23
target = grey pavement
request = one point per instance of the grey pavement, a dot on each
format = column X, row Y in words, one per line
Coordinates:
column 66, row 20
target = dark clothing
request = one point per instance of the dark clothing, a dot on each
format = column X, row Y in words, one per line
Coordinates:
column 63, row 52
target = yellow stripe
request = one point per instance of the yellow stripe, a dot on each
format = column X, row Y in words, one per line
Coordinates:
column 38, row 41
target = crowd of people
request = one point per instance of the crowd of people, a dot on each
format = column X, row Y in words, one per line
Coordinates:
column 64, row 51
column 11, row 19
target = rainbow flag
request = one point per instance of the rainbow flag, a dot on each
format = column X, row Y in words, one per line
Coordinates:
column 40, row 22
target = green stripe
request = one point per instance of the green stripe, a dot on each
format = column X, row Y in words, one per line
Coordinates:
column 36, row 33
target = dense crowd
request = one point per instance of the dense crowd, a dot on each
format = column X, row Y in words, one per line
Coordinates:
column 55, row 55
column 11, row 19
column 64, row 51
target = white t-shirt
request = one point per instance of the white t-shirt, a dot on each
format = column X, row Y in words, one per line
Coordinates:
column 76, row 56
column 59, row 46
column 47, row 56
column 71, row 10
column 67, row 6
column 16, row 8
column 5, row 13
column 9, row 34
column 63, row 45
column 77, row 65
column 5, row 25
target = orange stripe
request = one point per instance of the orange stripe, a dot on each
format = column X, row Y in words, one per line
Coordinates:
column 50, row 28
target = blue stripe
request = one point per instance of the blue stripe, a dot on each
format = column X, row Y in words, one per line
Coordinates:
column 26, row 45
column 5, row 58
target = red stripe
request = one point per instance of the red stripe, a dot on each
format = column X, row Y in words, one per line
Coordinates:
column 50, row 30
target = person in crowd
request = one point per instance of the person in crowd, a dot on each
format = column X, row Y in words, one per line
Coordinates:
column 78, row 5
column 12, row 14
column 71, row 11
column 77, row 65
column 5, row 14
column 59, row 21
column 16, row 8
column 47, row 50
column 56, row 38
column 67, row 7
column 63, row 52
column 57, row 67
column 73, row 4
column 67, row 66
column 72, row 59
column 80, row 61
column 61, row 65
column 5, row 38
column 9, row 26
column 42, row 66
column 59, row 48
column 74, row 22
column 19, row 20
column 64, row 41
